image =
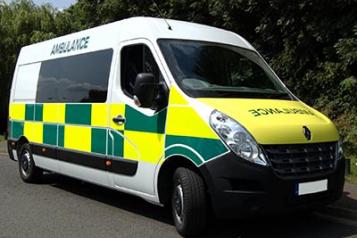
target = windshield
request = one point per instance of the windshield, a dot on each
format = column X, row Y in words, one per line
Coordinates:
column 204, row 69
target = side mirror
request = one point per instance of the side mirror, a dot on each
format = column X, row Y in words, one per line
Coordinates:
column 145, row 90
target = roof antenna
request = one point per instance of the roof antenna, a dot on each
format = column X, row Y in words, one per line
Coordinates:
column 162, row 15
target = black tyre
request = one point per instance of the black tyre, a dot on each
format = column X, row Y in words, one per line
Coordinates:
column 189, row 202
column 29, row 173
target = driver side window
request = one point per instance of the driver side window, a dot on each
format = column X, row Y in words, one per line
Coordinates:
column 136, row 59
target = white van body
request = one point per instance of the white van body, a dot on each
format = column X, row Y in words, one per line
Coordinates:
column 111, row 106
column 137, row 30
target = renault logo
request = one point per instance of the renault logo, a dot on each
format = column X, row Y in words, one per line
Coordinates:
column 307, row 132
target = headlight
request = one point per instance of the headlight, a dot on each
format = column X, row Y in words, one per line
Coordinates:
column 237, row 138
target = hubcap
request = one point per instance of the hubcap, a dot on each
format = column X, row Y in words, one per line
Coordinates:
column 25, row 163
column 178, row 203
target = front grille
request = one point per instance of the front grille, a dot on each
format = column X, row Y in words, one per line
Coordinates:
column 301, row 160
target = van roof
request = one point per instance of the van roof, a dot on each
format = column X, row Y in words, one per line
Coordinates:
column 110, row 35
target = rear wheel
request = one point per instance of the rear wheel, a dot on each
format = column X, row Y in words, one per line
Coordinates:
column 29, row 173
column 189, row 205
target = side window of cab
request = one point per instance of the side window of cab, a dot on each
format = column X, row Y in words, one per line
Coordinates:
column 138, row 59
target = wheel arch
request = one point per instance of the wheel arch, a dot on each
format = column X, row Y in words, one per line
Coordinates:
column 166, row 171
column 20, row 142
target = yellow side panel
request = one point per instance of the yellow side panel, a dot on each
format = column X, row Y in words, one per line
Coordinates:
column 61, row 113
column 176, row 97
column 184, row 121
column 131, row 151
column 99, row 114
column 50, row 112
column 115, row 110
column 17, row 111
column 77, row 138
column 148, row 152
column 54, row 112
column 33, row 131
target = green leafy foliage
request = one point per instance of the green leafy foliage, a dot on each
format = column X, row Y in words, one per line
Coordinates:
column 352, row 177
column 21, row 23
column 311, row 44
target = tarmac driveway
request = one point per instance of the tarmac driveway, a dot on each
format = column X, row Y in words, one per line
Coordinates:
column 64, row 207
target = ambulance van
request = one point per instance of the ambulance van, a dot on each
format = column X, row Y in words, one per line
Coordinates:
column 180, row 114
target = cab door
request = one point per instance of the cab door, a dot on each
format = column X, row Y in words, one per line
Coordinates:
column 136, row 135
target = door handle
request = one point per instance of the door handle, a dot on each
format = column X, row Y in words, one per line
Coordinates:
column 120, row 120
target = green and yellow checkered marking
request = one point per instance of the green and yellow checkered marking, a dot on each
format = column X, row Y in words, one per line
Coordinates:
column 84, row 127
column 88, row 128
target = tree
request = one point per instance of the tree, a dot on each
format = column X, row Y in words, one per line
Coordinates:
column 311, row 44
column 21, row 23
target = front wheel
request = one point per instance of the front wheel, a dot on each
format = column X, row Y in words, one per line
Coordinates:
column 29, row 173
column 189, row 202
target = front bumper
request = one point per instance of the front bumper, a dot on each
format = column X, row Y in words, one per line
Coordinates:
column 238, row 188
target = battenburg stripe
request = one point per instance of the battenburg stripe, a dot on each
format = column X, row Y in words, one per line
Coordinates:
column 99, row 138
column 38, row 112
column 139, row 128
column 116, row 144
column 17, row 129
column 137, row 121
column 50, row 134
column 207, row 148
column 29, row 112
column 78, row 114
column 61, row 136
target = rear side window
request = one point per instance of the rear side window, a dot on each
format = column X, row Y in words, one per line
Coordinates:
column 81, row 78
column 26, row 82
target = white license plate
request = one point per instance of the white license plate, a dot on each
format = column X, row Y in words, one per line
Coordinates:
column 312, row 187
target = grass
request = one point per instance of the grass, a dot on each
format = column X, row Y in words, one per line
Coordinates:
column 352, row 177
column 2, row 138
